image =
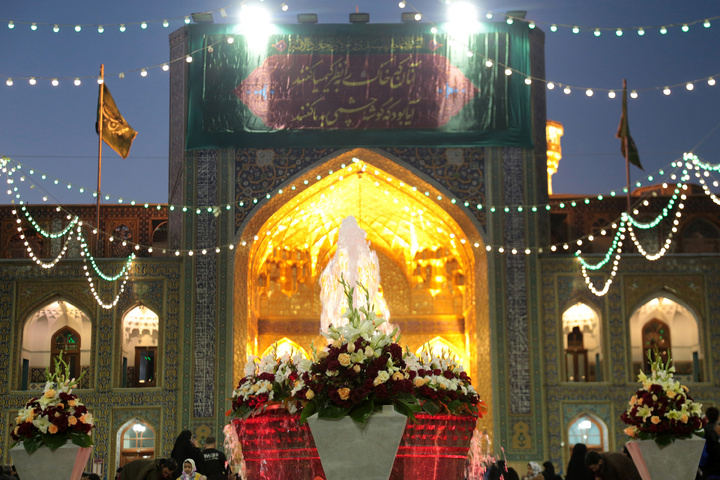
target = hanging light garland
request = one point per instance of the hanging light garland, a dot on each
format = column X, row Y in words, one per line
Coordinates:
column 85, row 253
column 28, row 247
column 440, row 199
column 554, row 27
column 665, row 89
column 702, row 171
column 15, row 25
column 627, row 223
column 613, row 272
column 215, row 210
column 597, row 31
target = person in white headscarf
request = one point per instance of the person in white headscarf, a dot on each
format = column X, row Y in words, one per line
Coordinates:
column 534, row 472
column 189, row 472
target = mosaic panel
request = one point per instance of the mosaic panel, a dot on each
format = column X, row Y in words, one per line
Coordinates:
column 518, row 354
column 693, row 279
column 459, row 170
column 260, row 171
column 205, row 288
column 176, row 193
column 224, row 342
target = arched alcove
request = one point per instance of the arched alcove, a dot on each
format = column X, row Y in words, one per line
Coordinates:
column 582, row 345
column 140, row 337
column 431, row 253
column 589, row 429
column 135, row 439
column 440, row 347
column 54, row 327
column 285, row 346
column 665, row 321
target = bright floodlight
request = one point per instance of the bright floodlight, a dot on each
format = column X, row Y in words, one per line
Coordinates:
column 585, row 425
column 463, row 15
column 255, row 16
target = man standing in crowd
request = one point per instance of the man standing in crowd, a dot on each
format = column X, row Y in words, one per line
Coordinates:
column 612, row 466
column 711, row 464
column 214, row 462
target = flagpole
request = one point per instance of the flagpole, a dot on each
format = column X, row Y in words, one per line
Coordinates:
column 100, row 141
column 627, row 172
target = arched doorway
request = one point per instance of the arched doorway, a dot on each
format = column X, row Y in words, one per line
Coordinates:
column 588, row 429
column 56, row 327
column 432, row 260
column 136, row 440
column 665, row 323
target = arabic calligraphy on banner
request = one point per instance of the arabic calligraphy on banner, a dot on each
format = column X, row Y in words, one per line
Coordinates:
column 359, row 85
column 356, row 91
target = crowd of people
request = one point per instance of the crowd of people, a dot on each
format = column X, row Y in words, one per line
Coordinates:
column 186, row 462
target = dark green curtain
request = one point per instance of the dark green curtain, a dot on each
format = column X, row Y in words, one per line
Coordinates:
column 358, row 85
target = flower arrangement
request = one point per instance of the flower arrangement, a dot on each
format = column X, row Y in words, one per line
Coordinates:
column 56, row 416
column 359, row 371
column 662, row 409
column 267, row 381
column 442, row 386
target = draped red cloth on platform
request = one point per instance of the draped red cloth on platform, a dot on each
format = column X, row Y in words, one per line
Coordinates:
column 276, row 447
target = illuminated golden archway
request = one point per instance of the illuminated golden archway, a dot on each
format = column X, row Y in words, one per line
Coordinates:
column 432, row 260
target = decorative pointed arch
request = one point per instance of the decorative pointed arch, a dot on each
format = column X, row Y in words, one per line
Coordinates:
column 664, row 314
column 140, row 332
column 285, row 345
column 589, row 429
column 283, row 245
column 135, row 439
column 52, row 326
column 582, row 342
column 439, row 347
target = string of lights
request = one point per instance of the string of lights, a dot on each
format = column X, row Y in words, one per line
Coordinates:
column 31, row 252
column 85, row 254
column 627, row 222
column 567, row 89
column 597, row 31
column 35, row 176
column 489, row 248
column 613, row 272
column 126, row 271
column 508, row 17
column 122, row 27
column 703, row 170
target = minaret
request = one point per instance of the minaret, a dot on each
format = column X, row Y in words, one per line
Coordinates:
column 553, row 132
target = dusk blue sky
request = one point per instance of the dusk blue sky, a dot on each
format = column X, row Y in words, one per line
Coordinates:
column 51, row 129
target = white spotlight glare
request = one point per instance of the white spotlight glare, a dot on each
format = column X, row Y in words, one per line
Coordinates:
column 462, row 16
column 254, row 16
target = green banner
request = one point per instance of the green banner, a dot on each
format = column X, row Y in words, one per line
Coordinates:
column 358, row 85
